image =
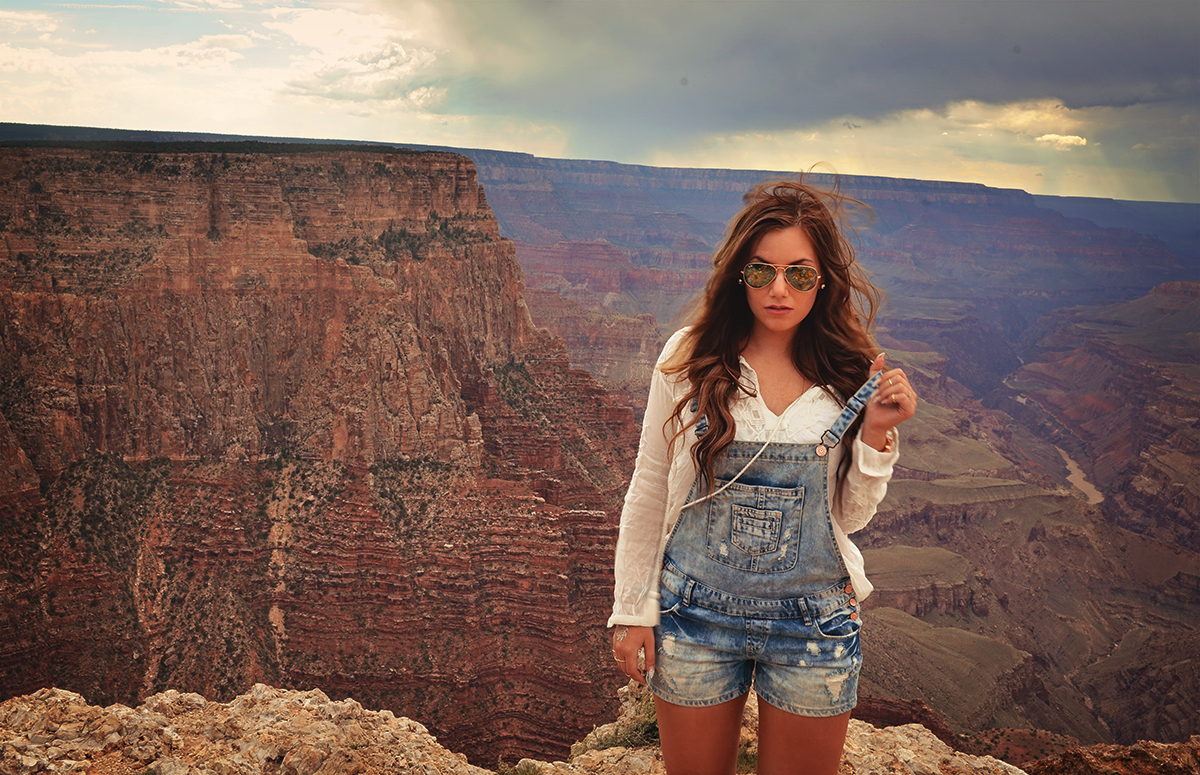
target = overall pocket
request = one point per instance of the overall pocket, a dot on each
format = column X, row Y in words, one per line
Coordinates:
column 840, row 623
column 668, row 601
column 755, row 528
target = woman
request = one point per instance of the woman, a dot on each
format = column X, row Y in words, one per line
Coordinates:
column 762, row 448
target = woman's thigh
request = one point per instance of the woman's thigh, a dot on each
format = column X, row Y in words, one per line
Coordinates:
column 700, row 741
column 793, row 745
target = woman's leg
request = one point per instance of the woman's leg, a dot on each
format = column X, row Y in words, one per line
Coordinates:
column 793, row 745
column 700, row 741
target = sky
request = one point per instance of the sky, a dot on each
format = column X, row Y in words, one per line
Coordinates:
column 1072, row 98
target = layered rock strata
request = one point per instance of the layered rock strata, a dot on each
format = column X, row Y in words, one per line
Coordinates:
column 284, row 417
column 969, row 270
column 1062, row 587
column 1116, row 387
column 1144, row 758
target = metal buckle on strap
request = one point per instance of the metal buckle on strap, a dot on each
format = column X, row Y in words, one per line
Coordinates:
column 831, row 437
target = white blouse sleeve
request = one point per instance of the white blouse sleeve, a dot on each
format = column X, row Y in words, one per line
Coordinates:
column 644, row 515
column 866, row 485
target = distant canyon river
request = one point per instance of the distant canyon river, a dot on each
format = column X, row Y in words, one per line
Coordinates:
column 1075, row 477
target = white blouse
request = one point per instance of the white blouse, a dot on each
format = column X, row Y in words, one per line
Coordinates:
column 661, row 483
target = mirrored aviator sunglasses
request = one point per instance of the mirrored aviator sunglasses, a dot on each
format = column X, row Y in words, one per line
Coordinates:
column 802, row 278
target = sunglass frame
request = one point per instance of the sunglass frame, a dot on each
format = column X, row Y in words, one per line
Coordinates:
column 802, row 278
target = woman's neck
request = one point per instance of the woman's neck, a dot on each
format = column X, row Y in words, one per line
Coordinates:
column 779, row 381
column 764, row 344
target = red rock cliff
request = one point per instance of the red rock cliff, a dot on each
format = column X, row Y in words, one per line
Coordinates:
column 285, row 417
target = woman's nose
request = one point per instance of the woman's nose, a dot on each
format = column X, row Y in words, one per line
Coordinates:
column 779, row 285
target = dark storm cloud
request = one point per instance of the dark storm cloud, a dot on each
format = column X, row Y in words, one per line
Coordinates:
column 645, row 68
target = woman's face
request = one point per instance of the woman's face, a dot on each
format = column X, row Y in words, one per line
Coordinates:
column 778, row 307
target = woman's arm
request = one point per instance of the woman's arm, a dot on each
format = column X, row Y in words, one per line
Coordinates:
column 644, row 515
column 866, row 485
column 637, row 559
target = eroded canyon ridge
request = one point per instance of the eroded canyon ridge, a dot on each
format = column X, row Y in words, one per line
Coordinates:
column 283, row 417
column 1038, row 341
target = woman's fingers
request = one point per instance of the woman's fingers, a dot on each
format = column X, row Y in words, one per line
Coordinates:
column 895, row 388
column 629, row 645
column 648, row 650
column 894, row 402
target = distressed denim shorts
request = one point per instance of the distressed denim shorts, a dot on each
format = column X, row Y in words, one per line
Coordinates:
column 802, row 655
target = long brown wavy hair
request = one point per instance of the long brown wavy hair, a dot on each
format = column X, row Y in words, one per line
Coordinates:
column 832, row 346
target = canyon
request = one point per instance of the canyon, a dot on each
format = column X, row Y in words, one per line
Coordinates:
column 248, row 409
column 1034, row 335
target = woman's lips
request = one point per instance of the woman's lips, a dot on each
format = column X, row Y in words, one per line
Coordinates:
column 778, row 310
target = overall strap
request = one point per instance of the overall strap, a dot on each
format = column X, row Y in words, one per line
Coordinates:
column 832, row 437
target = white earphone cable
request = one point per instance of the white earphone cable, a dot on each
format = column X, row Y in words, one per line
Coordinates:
column 762, row 449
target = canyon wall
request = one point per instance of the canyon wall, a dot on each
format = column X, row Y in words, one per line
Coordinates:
column 968, row 268
column 284, row 417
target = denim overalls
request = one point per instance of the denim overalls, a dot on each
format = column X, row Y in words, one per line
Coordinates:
column 753, row 587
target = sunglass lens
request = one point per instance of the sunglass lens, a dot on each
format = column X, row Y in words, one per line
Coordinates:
column 802, row 278
column 758, row 275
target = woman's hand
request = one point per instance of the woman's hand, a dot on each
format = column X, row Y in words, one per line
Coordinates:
column 894, row 402
column 627, row 642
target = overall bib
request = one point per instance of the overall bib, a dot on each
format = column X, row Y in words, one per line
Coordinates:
column 753, row 587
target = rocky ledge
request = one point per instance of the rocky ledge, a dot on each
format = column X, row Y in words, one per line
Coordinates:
column 270, row 731
column 281, row 732
column 265, row 730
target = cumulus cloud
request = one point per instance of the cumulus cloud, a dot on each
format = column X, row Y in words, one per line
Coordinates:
column 1062, row 142
column 381, row 74
column 209, row 53
column 20, row 22
column 351, row 55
